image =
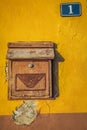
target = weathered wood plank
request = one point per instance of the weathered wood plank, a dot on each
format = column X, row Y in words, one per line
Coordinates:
column 37, row 44
column 44, row 53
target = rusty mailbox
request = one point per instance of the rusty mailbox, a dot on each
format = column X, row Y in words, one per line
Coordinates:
column 30, row 70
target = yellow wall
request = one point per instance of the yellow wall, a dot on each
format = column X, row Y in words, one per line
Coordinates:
column 35, row 20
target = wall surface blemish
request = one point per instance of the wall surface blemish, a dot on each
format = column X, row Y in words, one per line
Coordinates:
column 26, row 113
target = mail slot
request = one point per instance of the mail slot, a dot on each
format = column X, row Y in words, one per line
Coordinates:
column 30, row 70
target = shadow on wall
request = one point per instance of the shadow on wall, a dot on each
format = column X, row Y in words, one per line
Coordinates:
column 55, row 72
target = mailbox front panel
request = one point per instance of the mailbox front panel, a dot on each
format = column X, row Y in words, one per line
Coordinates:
column 30, row 79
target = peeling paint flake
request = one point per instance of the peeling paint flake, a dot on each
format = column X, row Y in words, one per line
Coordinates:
column 26, row 113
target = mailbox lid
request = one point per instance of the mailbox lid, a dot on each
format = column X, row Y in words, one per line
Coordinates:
column 30, row 50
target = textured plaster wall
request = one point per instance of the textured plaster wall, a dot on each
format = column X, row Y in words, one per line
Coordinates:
column 35, row 20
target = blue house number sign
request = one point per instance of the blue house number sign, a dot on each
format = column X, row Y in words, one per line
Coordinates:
column 70, row 9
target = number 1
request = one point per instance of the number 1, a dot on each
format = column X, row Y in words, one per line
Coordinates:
column 70, row 9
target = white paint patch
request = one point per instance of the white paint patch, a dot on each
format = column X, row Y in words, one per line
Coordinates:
column 26, row 113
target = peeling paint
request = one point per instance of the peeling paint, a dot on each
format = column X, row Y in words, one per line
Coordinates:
column 6, row 71
column 26, row 113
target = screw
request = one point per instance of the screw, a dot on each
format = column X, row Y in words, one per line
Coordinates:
column 31, row 65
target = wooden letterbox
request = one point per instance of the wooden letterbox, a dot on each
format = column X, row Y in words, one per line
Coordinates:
column 30, row 70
